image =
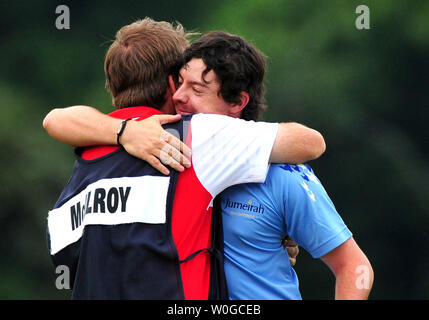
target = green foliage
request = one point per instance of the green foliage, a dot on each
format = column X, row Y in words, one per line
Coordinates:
column 365, row 90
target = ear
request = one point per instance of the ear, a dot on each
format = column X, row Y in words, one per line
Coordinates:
column 172, row 85
column 235, row 110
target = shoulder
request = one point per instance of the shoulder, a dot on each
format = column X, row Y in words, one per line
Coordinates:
column 215, row 124
column 219, row 122
column 209, row 118
column 296, row 181
column 292, row 172
column 213, row 117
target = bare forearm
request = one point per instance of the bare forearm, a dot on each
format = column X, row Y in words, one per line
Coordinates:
column 352, row 269
column 296, row 143
column 353, row 285
column 146, row 139
column 81, row 126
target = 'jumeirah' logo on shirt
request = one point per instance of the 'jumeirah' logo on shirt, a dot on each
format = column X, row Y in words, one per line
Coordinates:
column 244, row 206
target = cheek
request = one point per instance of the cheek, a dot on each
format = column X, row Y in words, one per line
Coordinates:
column 206, row 104
column 193, row 104
column 220, row 105
column 212, row 104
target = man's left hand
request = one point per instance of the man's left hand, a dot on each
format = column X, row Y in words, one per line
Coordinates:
column 292, row 249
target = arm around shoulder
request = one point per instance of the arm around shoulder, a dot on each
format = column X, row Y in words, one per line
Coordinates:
column 86, row 126
column 81, row 126
column 296, row 143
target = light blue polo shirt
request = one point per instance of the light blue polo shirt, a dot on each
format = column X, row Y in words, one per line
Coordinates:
column 257, row 216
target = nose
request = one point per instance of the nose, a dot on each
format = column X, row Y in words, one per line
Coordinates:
column 180, row 96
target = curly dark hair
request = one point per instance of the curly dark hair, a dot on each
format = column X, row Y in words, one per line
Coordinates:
column 238, row 65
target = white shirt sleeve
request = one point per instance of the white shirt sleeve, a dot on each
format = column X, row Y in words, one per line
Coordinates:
column 228, row 151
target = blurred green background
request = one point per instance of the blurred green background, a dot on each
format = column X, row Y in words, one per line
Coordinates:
column 366, row 91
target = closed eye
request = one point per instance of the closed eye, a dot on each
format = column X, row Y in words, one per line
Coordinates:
column 197, row 90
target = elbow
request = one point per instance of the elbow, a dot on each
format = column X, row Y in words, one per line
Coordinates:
column 370, row 276
column 319, row 145
column 49, row 120
column 364, row 278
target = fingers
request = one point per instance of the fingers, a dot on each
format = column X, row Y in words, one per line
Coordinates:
column 289, row 242
column 182, row 153
column 154, row 162
column 168, row 159
column 149, row 141
column 172, row 140
column 167, row 118
column 174, row 147
column 164, row 158
column 292, row 251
